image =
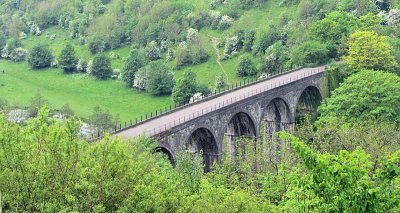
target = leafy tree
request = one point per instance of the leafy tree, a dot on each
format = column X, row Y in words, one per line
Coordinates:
column 185, row 88
column 246, row 67
column 265, row 40
column 132, row 64
column 40, row 56
column 310, row 53
column 368, row 50
column 334, row 26
column 343, row 182
column 101, row 67
column 67, row 59
column 160, row 80
column 367, row 95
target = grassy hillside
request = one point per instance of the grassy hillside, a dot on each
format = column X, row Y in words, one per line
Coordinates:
column 135, row 23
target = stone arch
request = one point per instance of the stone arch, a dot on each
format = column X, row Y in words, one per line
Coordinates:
column 240, row 124
column 203, row 140
column 276, row 117
column 167, row 153
column 307, row 103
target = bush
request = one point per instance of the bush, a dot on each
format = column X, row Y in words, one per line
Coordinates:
column 101, row 67
column 153, row 51
column 67, row 59
column 246, row 67
column 3, row 41
column 140, row 79
column 40, row 57
column 97, row 45
column 160, row 79
column 18, row 54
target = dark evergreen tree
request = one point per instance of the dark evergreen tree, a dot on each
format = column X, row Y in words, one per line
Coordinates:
column 101, row 68
column 40, row 57
column 67, row 59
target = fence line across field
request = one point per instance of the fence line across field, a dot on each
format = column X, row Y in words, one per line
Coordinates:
column 227, row 102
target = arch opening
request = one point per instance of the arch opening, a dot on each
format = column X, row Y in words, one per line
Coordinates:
column 308, row 103
column 203, row 141
column 166, row 153
column 240, row 125
column 276, row 118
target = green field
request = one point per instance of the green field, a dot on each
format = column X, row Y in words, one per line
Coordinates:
column 82, row 92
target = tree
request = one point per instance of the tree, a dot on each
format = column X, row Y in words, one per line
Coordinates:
column 132, row 64
column 160, row 80
column 67, row 59
column 310, row 53
column 246, row 67
column 185, row 88
column 368, row 50
column 346, row 182
column 333, row 27
column 101, row 67
column 102, row 119
column 366, row 95
column 40, row 56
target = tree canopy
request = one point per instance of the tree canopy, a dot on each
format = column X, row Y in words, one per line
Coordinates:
column 368, row 50
column 367, row 95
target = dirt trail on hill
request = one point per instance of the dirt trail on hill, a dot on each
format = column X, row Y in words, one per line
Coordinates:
column 214, row 41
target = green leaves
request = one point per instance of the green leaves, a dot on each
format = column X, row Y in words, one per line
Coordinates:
column 367, row 95
column 368, row 50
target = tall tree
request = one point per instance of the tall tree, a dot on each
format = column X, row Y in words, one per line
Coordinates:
column 67, row 59
column 132, row 64
column 185, row 88
column 101, row 68
column 160, row 79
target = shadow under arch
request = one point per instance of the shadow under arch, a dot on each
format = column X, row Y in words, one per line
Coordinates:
column 308, row 103
column 167, row 153
column 276, row 117
column 241, row 124
column 202, row 140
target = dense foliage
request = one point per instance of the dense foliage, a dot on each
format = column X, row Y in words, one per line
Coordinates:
column 101, row 67
column 366, row 95
column 40, row 56
column 67, row 59
column 47, row 158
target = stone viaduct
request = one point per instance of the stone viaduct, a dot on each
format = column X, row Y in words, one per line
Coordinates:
column 265, row 106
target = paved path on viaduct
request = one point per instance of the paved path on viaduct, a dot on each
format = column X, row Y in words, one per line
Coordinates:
column 186, row 114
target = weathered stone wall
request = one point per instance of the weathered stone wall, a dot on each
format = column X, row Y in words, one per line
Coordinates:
column 280, row 101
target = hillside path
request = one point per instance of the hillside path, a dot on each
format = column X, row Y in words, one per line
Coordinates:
column 214, row 42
